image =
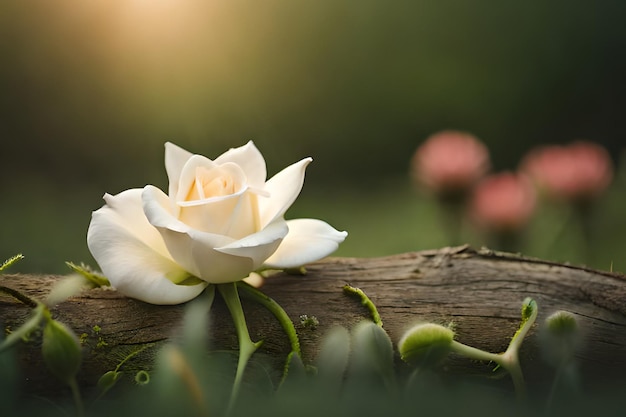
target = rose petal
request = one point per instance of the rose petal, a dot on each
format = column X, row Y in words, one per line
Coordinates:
column 192, row 249
column 234, row 216
column 125, row 211
column 195, row 252
column 308, row 240
column 156, row 209
column 258, row 246
column 187, row 178
column 172, row 231
column 175, row 159
column 219, row 201
column 250, row 159
column 284, row 188
column 254, row 279
column 132, row 255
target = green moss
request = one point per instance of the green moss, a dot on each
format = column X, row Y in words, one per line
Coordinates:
column 309, row 322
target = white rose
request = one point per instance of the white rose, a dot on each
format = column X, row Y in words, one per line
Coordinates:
column 221, row 221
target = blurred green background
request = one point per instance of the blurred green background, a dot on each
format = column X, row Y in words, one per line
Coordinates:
column 90, row 91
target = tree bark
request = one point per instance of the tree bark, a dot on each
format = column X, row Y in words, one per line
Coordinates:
column 479, row 291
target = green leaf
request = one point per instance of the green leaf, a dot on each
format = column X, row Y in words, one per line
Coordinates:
column 61, row 350
column 108, row 380
column 372, row 353
column 332, row 361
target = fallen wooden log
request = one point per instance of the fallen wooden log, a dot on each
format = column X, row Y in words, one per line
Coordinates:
column 480, row 291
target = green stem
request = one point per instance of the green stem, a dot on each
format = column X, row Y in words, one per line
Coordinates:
column 246, row 346
column 19, row 296
column 451, row 207
column 365, row 301
column 282, row 317
column 11, row 261
column 39, row 313
column 584, row 214
column 509, row 360
column 549, row 244
column 80, row 409
column 474, row 353
column 555, row 384
column 278, row 312
column 132, row 354
column 527, row 322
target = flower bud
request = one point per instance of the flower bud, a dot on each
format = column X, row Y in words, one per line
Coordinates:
column 560, row 338
column 503, row 202
column 578, row 172
column 450, row 162
column 426, row 342
column 108, row 380
column 562, row 324
column 61, row 350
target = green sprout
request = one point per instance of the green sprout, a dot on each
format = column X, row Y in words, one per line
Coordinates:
column 365, row 301
column 11, row 261
column 94, row 278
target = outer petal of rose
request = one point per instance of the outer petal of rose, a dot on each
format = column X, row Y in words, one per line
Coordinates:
column 175, row 159
column 192, row 249
column 121, row 240
column 249, row 158
column 124, row 210
column 308, row 240
column 258, row 246
column 284, row 188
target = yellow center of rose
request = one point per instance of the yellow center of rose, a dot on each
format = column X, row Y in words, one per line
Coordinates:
column 219, row 201
column 211, row 183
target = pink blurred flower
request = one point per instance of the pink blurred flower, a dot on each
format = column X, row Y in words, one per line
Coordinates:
column 577, row 172
column 503, row 202
column 449, row 162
